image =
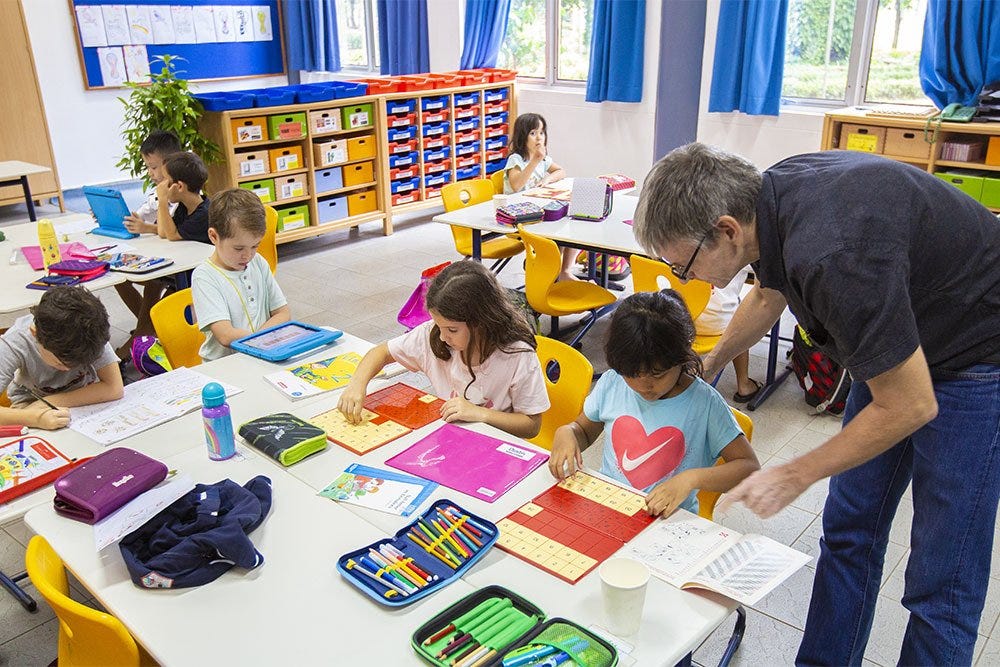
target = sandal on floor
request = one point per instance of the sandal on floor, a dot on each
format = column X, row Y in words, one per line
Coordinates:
column 746, row 398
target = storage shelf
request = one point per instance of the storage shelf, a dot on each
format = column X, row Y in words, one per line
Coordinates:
column 967, row 165
column 273, row 174
column 316, row 230
column 344, row 164
column 348, row 188
column 339, row 133
column 291, row 200
column 268, row 142
column 908, row 159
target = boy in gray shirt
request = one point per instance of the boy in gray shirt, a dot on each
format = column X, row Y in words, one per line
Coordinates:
column 60, row 352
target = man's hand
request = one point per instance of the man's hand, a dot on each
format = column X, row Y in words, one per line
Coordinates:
column 767, row 491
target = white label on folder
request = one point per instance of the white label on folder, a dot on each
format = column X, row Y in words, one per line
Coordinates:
column 359, row 119
column 252, row 167
column 483, row 491
column 289, row 190
column 516, row 452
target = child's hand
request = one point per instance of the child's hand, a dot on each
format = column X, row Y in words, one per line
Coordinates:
column 565, row 458
column 538, row 152
column 135, row 224
column 161, row 191
column 351, row 403
column 460, row 410
column 52, row 419
column 669, row 495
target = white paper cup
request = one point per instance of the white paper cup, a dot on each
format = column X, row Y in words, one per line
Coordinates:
column 623, row 585
column 498, row 201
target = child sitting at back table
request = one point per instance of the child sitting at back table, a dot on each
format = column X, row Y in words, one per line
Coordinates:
column 234, row 292
column 529, row 165
column 714, row 320
column 664, row 426
column 477, row 350
column 184, row 175
column 59, row 353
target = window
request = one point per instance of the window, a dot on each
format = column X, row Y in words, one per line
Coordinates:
column 847, row 52
column 549, row 40
column 357, row 32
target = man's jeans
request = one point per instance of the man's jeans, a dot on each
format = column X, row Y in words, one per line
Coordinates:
column 955, row 468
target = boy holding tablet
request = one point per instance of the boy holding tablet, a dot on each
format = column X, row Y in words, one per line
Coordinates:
column 234, row 292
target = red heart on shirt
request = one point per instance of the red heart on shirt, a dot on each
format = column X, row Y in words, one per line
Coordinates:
column 645, row 458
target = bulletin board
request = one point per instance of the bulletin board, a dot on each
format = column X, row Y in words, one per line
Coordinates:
column 218, row 39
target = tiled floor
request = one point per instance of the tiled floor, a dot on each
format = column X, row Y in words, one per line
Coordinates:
column 358, row 280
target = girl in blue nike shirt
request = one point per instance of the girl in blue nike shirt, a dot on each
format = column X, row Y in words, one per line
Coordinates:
column 665, row 426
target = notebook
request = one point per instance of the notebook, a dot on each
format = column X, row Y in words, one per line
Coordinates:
column 110, row 211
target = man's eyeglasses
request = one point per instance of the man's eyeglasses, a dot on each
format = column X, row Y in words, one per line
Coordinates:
column 682, row 274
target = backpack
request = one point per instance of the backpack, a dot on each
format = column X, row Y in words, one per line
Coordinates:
column 825, row 382
column 149, row 356
column 520, row 301
column 620, row 269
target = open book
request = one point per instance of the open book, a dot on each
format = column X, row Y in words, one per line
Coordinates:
column 690, row 552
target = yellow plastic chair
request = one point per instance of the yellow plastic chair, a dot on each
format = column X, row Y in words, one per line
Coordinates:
column 706, row 508
column 87, row 637
column 567, row 392
column 542, row 265
column 177, row 328
column 695, row 293
column 497, row 178
column 466, row 193
column 268, row 248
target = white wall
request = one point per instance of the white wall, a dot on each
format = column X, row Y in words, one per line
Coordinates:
column 762, row 139
column 84, row 124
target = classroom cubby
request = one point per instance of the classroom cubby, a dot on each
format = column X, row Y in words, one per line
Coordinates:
column 340, row 163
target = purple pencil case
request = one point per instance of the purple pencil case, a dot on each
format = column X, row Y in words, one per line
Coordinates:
column 555, row 210
column 95, row 489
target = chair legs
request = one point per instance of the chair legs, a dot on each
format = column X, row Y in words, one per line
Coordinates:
column 10, row 583
column 581, row 327
column 736, row 637
column 497, row 266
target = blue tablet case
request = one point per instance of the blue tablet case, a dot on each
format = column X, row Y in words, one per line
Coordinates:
column 316, row 337
column 110, row 209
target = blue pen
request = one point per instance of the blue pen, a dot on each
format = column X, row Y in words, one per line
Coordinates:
column 555, row 660
column 529, row 656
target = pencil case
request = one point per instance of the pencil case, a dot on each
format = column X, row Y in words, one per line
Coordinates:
column 496, row 627
column 284, row 437
column 95, row 489
column 426, row 555
column 555, row 210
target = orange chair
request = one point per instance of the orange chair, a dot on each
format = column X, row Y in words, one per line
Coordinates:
column 466, row 193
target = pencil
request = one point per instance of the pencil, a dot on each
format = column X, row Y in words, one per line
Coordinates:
column 42, row 399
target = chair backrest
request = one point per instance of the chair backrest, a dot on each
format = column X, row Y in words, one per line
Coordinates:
column 707, row 499
column 497, row 178
column 466, row 193
column 177, row 328
column 86, row 636
column 542, row 263
column 645, row 271
column 573, row 374
column 268, row 248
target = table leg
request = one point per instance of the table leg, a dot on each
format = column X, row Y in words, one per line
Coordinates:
column 773, row 379
column 27, row 198
column 477, row 245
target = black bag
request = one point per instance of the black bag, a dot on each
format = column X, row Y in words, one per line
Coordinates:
column 825, row 382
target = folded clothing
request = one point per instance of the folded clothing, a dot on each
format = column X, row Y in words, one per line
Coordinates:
column 199, row 536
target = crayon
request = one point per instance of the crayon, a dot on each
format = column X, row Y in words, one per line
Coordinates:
column 463, row 529
column 456, row 529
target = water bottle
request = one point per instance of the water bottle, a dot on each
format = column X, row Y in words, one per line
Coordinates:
column 218, row 422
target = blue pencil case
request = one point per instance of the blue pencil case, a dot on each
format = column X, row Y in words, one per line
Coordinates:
column 424, row 556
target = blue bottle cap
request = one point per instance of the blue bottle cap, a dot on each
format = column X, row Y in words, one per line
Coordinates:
column 213, row 395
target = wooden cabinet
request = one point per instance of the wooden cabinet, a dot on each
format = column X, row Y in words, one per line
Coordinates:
column 357, row 160
column 915, row 142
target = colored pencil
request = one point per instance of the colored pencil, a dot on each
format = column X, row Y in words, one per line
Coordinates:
column 351, row 565
column 447, row 535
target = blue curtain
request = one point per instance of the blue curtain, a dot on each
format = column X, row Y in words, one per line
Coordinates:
column 961, row 50
column 749, row 57
column 402, row 36
column 311, row 36
column 616, row 51
column 485, row 27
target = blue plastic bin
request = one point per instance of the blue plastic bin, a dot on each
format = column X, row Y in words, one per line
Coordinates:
column 401, row 133
column 466, row 124
column 495, row 165
column 437, row 154
column 495, row 95
column 225, row 101
column 496, row 143
column 404, row 160
column 272, row 97
column 313, row 92
column 436, row 129
column 466, row 99
column 400, row 107
column 433, row 103
column 437, row 179
column 471, row 171
column 467, row 149
column 495, row 119
column 345, row 89
column 404, row 185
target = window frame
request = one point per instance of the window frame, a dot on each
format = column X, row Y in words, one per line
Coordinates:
column 370, row 43
column 551, row 78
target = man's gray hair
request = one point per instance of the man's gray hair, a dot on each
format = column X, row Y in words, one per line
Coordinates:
column 689, row 190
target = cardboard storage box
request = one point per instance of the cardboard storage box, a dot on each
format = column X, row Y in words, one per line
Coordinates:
column 359, row 174
column 331, row 209
column 865, row 138
column 287, row 126
column 293, row 217
column 969, row 182
column 288, row 187
column 324, row 120
column 990, row 196
column 361, row 202
column 286, row 159
column 252, row 164
column 246, row 130
column 906, row 143
column 993, row 152
column 328, row 179
column 359, row 148
column 326, row 153
column 357, row 116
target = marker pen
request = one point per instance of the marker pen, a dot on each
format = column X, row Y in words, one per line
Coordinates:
column 13, row 429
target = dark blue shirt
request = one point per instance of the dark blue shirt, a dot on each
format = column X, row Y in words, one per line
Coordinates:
column 876, row 257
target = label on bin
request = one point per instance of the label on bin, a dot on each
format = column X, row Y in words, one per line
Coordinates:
column 293, row 189
column 252, row 167
column 286, row 162
column 245, row 133
column 359, row 119
column 862, row 142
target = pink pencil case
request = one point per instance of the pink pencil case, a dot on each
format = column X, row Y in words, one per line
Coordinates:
column 95, row 489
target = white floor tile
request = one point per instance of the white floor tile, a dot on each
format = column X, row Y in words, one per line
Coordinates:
column 767, row 642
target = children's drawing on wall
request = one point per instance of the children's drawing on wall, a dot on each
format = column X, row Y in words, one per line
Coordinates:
column 140, row 24
column 136, row 63
column 204, row 24
column 163, row 25
column 112, row 66
column 262, row 24
column 91, row 22
column 224, row 28
column 116, row 25
column 243, row 17
column 183, row 18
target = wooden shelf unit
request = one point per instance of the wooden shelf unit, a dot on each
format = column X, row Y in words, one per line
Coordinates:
column 217, row 127
column 834, row 120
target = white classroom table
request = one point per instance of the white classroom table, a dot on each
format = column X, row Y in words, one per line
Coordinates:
column 15, row 172
column 15, row 296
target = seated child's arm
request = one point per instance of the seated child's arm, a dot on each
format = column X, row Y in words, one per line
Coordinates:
column 740, row 462
column 459, row 409
column 568, row 445
column 109, row 387
column 165, row 227
column 352, row 399
column 135, row 224
column 36, row 415
column 226, row 333
column 278, row 316
column 555, row 173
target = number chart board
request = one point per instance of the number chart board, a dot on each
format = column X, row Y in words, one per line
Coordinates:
column 217, row 39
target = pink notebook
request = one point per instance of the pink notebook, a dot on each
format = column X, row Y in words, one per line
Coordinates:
column 470, row 462
column 74, row 250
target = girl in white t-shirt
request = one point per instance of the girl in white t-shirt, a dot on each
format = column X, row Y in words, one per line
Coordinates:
column 529, row 165
column 478, row 352
column 714, row 320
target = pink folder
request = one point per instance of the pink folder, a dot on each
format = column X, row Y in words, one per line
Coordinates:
column 74, row 250
column 470, row 462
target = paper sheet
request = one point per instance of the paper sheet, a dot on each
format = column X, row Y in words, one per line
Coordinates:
column 136, row 63
column 225, row 28
column 112, row 66
column 243, row 23
column 139, row 510
column 184, row 30
column 73, row 225
column 262, row 30
column 91, row 22
column 140, row 24
column 204, row 24
column 116, row 25
column 146, row 404
column 163, row 25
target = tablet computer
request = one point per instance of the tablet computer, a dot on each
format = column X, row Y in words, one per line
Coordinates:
column 284, row 341
column 109, row 210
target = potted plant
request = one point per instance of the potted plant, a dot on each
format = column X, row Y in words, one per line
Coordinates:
column 165, row 103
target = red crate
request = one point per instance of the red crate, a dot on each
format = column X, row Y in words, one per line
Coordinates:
column 380, row 86
column 447, row 80
column 471, row 135
column 406, row 197
column 495, row 131
column 466, row 161
column 413, row 82
column 435, row 116
column 495, row 155
column 431, row 193
column 437, row 167
column 437, row 142
column 466, row 112
column 402, row 121
column 497, row 107
column 400, row 147
column 474, row 76
column 404, row 172
column 497, row 74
